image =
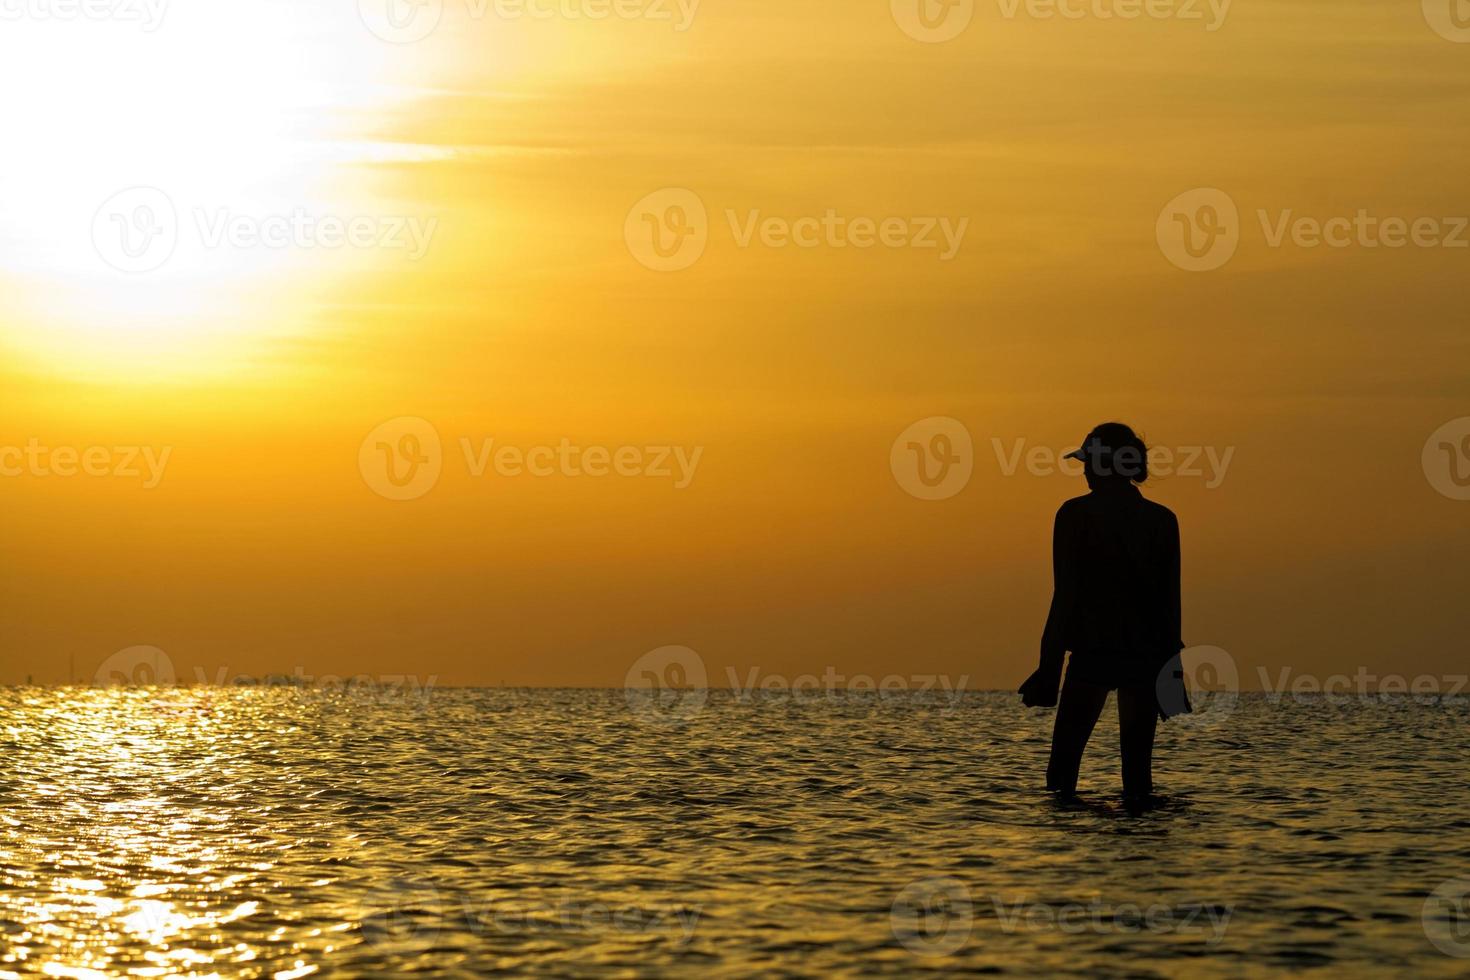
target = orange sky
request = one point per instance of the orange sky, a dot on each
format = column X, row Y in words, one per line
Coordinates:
column 530, row 320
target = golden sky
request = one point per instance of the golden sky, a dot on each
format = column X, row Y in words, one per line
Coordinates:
column 496, row 173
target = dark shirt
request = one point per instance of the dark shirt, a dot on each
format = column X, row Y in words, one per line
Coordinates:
column 1115, row 604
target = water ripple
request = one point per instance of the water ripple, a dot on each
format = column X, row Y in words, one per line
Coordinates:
column 286, row 833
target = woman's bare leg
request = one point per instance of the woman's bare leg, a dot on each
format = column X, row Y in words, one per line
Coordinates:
column 1077, row 713
column 1138, row 718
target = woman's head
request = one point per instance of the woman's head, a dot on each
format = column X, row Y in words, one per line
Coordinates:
column 1113, row 455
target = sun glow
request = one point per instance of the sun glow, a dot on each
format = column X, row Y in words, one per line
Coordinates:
column 148, row 150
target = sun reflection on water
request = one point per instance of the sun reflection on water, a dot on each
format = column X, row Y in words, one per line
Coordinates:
column 281, row 832
column 136, row 837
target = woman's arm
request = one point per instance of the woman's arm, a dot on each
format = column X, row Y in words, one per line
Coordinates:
column 1171, row 583
column 1040, row 689
column 1063, row 591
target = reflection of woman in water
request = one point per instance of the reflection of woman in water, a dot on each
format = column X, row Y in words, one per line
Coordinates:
column 1115, row 606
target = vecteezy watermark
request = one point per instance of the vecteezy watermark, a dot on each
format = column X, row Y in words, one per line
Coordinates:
column 147, row 666
column 831, row 683
column 933, row 458
column 138, row 230
column 937, row 21
column 668, row 230
column 1363, row 229
column 409, row 21
column 1205, row 678
column 407, row 913
column 1446, row 918
column 833, row 230
column 677, row 13
column 1365, row 685
column 402, row 913
column 387, row 686
column 1210, row 463
column 935, row 917
column 1450, row 19
column 139, row 666
column 145, row 463
column 677, row 922
column 932, row 916
column 933, row 21
column 676, row 463
column 403, row 458
column 1199, row 230
column 1210, row 13
column 1446, row 459
column 1104, row 918
column 147, row 14
column 667, row 686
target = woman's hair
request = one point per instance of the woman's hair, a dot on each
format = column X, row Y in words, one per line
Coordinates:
column 1114, row 453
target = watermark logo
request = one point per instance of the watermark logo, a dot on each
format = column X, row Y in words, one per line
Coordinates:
column 136, row 230
column 389, row 688
column 932, row 916
column 301, row 229
column 667, row 230
column 408, row 914
column 667, row 686
column 402, row 914
column 139, row 666
column 1199, row 230
column 933, row 21
column 147, row 13
column 942, row 689
column 1210, row 677
column 1363, row 685
column 937, row 21
column 1450, row 19
column 1446, row 459
column 35, row 459
column 1211, row 13
column 401, row 21
column 933, row 458
column 942, row 234
column 401, row 459
column 679, row 13
column 1208, row 463
column 674, row 923
column 676, row 463
column 1362, row 229
column 139, row 229
column 1446, row 918
column 409, row 21
column 1102, row 918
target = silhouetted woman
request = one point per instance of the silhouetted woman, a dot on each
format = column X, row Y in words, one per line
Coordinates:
column 1115, row 606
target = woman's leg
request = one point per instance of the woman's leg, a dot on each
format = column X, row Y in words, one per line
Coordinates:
column 1080, row 705
column 1138, row 718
